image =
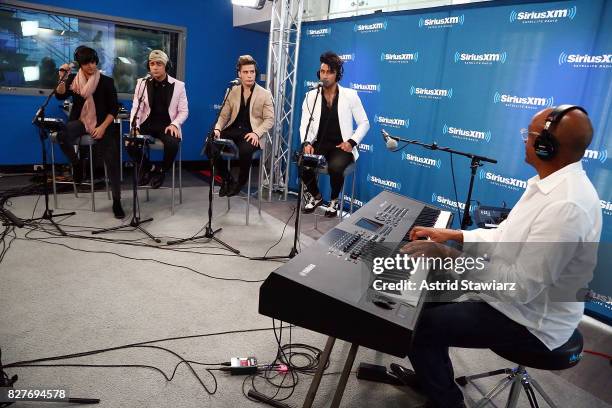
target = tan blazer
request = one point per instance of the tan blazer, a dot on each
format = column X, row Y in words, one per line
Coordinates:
column 261, row 110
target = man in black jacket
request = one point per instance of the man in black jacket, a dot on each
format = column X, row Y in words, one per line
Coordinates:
column 94, row 108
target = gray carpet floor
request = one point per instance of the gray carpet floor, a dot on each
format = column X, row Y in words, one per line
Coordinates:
column 61, row 295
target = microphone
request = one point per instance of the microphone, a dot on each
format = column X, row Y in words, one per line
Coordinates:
column 318, row 85
column 147, row 77
column 66, row 72
column 389, row 140
column 235, row 82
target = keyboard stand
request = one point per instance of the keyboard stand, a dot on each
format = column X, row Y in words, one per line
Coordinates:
column 346, row 371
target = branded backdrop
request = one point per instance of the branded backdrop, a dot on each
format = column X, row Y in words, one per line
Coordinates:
column 470, row 78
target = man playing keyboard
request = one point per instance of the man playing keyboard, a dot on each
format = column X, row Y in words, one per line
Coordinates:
column 559, row 205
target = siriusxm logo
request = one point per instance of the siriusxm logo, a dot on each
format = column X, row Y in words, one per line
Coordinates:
column 347, row 57
column 365, row 147
column 599, row 155
column 585, row 60
column 370, row 28
column 508, row 182
column 399, row 58
column 216, row 106
column 365, row 87
column 480, row 59
column 356, row 202
column 441, row 22
column 318, row 32
column 606, row 206
column 446, row 202
column 545, row 16
column 467, row 134
column 393, row 122
column 528, row 102
column 431, row 93
column 422, row 161
column 387, row 184
column 310, row 84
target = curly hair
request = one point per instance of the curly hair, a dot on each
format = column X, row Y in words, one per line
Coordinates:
column 333, row 61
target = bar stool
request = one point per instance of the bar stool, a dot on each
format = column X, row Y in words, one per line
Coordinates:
column 157, row 144
column 84, row 140
column 348, row 171
column 561, row 358
column 230, row 152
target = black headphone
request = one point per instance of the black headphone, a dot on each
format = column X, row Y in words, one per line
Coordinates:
column 546, row 144
column 339, row 73
column 84, row 47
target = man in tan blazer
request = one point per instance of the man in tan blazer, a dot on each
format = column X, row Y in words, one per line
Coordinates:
column 247, row 115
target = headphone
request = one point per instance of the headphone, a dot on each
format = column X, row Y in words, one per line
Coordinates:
column 339, row 73
column 168, row 65
column 84, row 47
column 546, row 144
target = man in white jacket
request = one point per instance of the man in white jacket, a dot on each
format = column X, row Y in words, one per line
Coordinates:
column 162, row 113
column 331, row 132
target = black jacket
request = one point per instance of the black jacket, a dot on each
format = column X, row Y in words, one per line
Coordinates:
column 105, row 99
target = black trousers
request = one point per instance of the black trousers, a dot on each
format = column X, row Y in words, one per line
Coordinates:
column 245, row 151
column 171, row 147
column 463, row 324
column 108, row 147
column 337, row 161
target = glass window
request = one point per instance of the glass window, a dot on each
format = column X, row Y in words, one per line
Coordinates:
column 34, row 43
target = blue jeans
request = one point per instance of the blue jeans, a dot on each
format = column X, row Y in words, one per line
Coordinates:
column 463, row 324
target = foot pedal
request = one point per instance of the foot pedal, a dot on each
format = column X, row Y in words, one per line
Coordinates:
column 377, row 373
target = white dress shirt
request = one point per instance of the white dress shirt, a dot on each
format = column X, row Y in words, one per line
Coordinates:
column 563, row 208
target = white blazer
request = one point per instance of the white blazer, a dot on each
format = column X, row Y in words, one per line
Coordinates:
column 178, row 108
column 349, row 108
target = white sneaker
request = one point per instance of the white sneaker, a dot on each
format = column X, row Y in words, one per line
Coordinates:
column 311, row 203
column 332, row 208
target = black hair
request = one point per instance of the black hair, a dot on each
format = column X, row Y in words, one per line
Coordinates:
column 84, row 55
column 333, row 61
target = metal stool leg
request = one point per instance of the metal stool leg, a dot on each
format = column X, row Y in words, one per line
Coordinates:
column 352, row 193
column 259, row 183
column 540, row 391
column 180, row 172
column 229, row 171
column 341, row 212
column 248, row 196
column 106, row 182
column 91, row 180
column 53, row 176
column 173, row 172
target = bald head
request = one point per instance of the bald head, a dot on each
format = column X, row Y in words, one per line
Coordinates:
column 574, row 133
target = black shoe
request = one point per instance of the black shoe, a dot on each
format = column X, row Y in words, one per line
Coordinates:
column 234, row 189
column 117, row 209
column 332, row 208
column 406, row 376
column 157, row 178
column 311, row 203
column 225, row 186
column 77, row 172
column 144, row 177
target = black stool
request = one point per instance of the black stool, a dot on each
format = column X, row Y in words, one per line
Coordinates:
column 566, row 356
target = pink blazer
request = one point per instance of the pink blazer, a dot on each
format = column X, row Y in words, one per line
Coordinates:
column 178, row 109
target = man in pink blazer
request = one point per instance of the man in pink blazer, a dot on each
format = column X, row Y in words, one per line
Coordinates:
column 162, row 113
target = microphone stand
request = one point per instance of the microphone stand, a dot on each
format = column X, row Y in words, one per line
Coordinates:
column 300, row 166
column 475, row 163
column 135, row 222
column 39, row 121
column 213, row 151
